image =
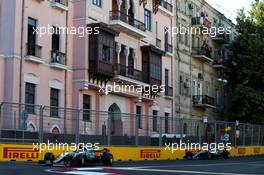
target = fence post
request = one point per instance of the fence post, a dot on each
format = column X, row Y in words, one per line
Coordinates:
column 160, row 132
column 1, row 120
column 215, row 132
column 64, row 123
column 259, row 135
column 181, row 127
column 252, row 135
column 1, row 104
column 41, row 123
column 136, row 131
column 77, row 135
column 109, row 131
column 244, row 135
column 235, row 135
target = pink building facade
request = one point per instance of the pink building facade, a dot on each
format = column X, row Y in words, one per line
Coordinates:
column 66, row 70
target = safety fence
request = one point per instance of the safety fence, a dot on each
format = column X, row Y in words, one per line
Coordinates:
column 21, row 123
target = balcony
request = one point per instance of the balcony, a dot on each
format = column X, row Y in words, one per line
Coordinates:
column 168, row 91
column 166, row 7
column 127, row 74
column 221, row 39
column 220, row 59
column 58, row 60
column 60, row 4
column 201, row 21
column 99, row 67
column 34, row 53
column 168, row 48
column 203, row 101
column 122, row 22
column 202, row 53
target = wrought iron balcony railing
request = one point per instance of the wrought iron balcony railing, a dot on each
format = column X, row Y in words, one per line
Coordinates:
column 128, row 72
column 58, row 57
column 62, row 2
column 168, row 47
column 167, row 6
column 203, row 100
column 118, row 15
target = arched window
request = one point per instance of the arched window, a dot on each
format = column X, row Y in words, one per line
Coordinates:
column 55, row 130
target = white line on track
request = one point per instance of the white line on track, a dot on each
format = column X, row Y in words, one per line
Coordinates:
column 179, row 171
column 86, row 173
column 199, row 165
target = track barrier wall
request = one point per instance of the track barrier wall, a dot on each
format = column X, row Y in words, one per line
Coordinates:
column 23, row 153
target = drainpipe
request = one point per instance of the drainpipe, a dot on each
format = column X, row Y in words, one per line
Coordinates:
column 178, row 68
column 66, row 76
column 21, row 58
column 21, row 51
column 172, row 84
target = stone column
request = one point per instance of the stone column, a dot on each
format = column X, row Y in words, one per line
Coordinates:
column 134, row 58
column 126, row 51
column 118, row 50
column 119, row 2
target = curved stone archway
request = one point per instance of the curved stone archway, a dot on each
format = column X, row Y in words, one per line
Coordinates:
column 116, row 120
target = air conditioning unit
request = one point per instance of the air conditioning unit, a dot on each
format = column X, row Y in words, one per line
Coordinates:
column 200, row 76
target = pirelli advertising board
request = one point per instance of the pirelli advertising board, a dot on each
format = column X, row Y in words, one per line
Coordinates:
column 19, row 153
column 10, row 152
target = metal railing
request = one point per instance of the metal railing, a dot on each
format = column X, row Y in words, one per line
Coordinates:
column 203, row 100
column 109, row 128
column 202, row 51
column 167, row 6
column 58, row 57
column 118, row 15
column 168, row 48
column 128, row 72
column 63, row 2
column 34, row 50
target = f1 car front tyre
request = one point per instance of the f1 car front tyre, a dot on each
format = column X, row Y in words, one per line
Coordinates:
column 107, row 159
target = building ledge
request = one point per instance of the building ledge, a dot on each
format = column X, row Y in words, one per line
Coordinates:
column 166, row 11
column 34, row 59
column 59, row 66
column 59, row 6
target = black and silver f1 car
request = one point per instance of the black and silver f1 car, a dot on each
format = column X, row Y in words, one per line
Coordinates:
column 206, row 155
column 80, row 157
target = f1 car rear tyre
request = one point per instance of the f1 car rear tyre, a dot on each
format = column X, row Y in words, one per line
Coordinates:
column 49, row 158
column 107, row 159
column 79, row 161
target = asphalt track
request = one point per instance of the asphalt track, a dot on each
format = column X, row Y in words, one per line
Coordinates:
column 234, row 166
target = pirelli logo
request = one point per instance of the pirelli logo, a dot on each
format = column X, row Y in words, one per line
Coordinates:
column 241, row 151
column 16, row 153
column 150, row 153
